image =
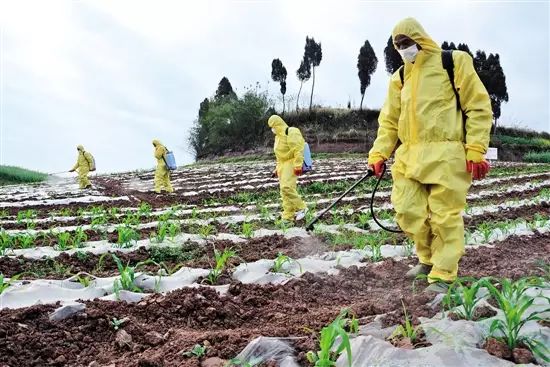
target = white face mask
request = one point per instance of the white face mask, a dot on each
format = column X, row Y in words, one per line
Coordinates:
column 274, row 131
column 409, row 54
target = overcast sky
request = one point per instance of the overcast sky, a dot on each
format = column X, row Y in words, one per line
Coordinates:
column 112, row 75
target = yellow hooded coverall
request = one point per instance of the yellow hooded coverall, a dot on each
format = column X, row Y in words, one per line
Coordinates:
column 84, row 164
column 162, row 175
column 430, row 181
column 289, row 152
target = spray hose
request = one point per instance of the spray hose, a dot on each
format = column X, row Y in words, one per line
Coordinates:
column 372, row 204
column 369, row 173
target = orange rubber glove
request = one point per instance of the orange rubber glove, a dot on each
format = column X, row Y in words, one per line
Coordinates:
column 298, row 171
column 378, row 168
column 476, row 165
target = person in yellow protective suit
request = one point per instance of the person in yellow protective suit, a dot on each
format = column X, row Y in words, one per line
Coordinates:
column 162, row 174
column 435, row 163
column 84, row 164
column 289, row 152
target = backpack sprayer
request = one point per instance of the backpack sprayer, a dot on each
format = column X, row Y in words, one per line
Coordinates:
column 369, row 173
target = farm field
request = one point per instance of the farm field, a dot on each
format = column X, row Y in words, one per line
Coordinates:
column 208, row 276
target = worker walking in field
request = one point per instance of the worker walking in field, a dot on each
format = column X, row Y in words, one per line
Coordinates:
column 84, row 164
column 289, row 152
column 440, row 152
column 162, row 173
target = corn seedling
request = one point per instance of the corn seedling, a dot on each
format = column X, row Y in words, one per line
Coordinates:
column 221, row 259
column 504, row 227
column 406, row 330
column 100, row 220
column 160, row 234
column 283, row 225
column 79, row 237
column 310, row 214
column 116, row 323
column 132, row 219
column 4, row 284
column 544, row 194
column 375, row 244
column 264, row 212
column 26, row 215
column 127, row 274
column 328, row 352
column 532, row 225
column 347, row 209
column 126, row 235
column 515, row 291
column 337, row 218
column 360, row 242
column 174, row 229
column 541, row 220
column 515, row 318
column 194, row 213
column 197, row 351
column 247, row 229
column 61, row 269
column 25, row 240
column 408, row 244
column 63, row 241
column 385, row 215
column 6, row 242
column 114, row 212
column 363, row 219
column 280, row 261
column 144, row 210
column 205, row 231
column 4, row 214
column 486, row 231
column 84, row 280
column 468, row 209
column 460, row 294
column 66, row 212
column 165, row 217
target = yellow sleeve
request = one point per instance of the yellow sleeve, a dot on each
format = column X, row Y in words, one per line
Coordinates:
column 386, row 137
column 475, row 102
column 296, row 142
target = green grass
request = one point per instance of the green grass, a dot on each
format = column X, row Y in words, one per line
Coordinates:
column 537, row 157
column 10, row 175
column 518, row 140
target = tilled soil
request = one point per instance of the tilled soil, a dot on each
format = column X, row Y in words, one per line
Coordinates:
column 112, row 187
column 189, row 254
column 161, row 327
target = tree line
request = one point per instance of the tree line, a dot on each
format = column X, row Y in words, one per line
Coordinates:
column 223, row 117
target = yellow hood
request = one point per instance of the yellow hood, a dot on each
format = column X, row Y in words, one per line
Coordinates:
column 412, row 29
column 80, row 148
column 156, row 142
column 277, row 123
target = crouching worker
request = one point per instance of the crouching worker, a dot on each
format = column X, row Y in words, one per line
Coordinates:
column 440, row 152
column 84, row 164
column 162, row 174
column 289, row 152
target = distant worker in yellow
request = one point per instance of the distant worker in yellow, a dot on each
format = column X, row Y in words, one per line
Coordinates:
column 289, row 152
column 440, row 152
column 162, row 173
column 84, row 164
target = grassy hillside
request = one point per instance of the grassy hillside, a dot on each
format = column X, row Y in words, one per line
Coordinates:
column 10, row 175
